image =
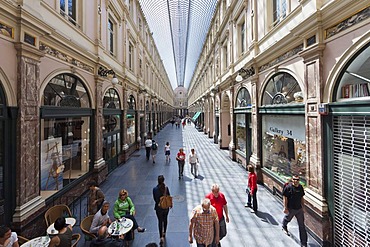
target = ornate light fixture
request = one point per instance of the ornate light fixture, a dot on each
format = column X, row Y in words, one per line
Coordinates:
column 105, row 72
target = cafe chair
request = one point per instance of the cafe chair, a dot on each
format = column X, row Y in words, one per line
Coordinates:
column 75, row 238
column 22, row 240
column 85, row 227
column 55, row 212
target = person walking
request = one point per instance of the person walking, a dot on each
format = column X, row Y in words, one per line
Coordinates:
column 204, row 225
column 193, row 160
column 154, row 150
column 167, row 151
column 180, row 157
column 294, row 206
column 218, row 201
column 96, row 197
column 162, row 214
column 252, row 192
column 148, row 147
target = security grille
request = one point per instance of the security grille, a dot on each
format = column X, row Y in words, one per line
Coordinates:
column 351, row 180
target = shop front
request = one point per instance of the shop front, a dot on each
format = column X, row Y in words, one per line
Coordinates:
column 348, row 131
column 112, row 142
column 283, row 131
column 243, row 127
column 131, row 126
column 65, row 145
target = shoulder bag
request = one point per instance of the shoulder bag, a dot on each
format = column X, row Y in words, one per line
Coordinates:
column 165, row 201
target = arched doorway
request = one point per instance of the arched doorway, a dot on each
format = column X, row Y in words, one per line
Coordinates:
column 65, row 133
column 112, row 128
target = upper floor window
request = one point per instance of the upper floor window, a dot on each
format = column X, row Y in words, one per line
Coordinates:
column 140, row 25
column 68, row 9
column 130, row 56
column 111, row 36
column 224, row 56
column 131, row 7
column 242, row 37
column 279, row 10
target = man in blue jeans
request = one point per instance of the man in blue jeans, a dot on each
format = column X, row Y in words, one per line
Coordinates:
column 293, row 206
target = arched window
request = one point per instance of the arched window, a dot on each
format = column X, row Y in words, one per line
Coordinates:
column 66, row 90
column 131, row 103
column 282, row 88
column 354, row 81
column 111, row 99
column 243, row 99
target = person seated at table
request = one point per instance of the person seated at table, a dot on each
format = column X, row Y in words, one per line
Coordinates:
column 8, row 238
column 101, row 218
column 64, row 236
column 124, row 207
column 104, row 240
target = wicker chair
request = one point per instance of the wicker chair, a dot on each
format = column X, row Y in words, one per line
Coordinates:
column 22, row 240
column 55, row 212
column 75, row 238
column 85, row 227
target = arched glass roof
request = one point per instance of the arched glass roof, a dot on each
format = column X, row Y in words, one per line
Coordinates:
column 183, row 25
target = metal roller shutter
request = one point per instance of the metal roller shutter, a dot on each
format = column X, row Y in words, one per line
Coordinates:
column 351, row 141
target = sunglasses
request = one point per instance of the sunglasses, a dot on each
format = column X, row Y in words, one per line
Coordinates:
column 295, row 179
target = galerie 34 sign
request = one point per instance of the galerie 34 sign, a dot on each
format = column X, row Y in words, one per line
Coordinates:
column 288, row 126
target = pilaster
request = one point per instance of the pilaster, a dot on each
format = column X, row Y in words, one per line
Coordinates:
column 99, row 124
column 28, row 126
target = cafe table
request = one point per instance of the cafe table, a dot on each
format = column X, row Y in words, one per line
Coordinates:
column 52, row 231
column 37, row 242
column 120, row 227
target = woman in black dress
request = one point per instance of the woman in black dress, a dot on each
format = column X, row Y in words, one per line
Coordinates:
column 162, row 214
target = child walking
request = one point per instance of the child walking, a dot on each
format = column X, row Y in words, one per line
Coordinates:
column 167, row 151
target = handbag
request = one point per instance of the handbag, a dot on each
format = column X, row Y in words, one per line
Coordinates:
column 165, row 201
column 247, row 190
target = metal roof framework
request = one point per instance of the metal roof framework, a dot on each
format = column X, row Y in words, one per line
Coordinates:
column 179, row 30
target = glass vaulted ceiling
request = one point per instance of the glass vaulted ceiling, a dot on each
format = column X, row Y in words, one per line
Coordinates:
column 179, row 30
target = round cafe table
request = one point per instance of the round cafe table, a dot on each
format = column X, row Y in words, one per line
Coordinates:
column 39, row 242
column 51, row 230
column 120, row 227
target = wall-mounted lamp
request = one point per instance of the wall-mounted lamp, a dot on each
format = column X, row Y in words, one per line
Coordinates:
column 105, row 72
column 247, row 73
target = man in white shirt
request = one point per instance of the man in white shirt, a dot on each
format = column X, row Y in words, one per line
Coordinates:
column 148, row 147
column 101, row 218
column 193, row 160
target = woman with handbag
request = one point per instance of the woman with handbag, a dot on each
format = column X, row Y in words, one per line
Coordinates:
column 162, row 214
column 252, row 189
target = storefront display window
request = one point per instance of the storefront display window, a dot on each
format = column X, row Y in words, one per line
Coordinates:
column 2, row 141
column 65, row 135
column 241, row 132
column 130, row 120
column 284, row 147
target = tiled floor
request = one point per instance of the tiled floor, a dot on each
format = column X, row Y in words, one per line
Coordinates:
column 139, row 176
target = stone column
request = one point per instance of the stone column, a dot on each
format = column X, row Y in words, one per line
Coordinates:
column 232, row 147
column 315, row 174
column 256, row 129
column 28, row 199
column 99, row 163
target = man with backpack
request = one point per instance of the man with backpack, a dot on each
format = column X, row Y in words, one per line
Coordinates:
column 293, row 206
column 154, row 150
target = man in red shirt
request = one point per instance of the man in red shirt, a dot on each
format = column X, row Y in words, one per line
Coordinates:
column 218, row 201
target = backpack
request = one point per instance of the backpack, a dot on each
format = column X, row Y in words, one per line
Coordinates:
column 154, row 146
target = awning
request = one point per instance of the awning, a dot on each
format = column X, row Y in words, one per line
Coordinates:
column 196, row 116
